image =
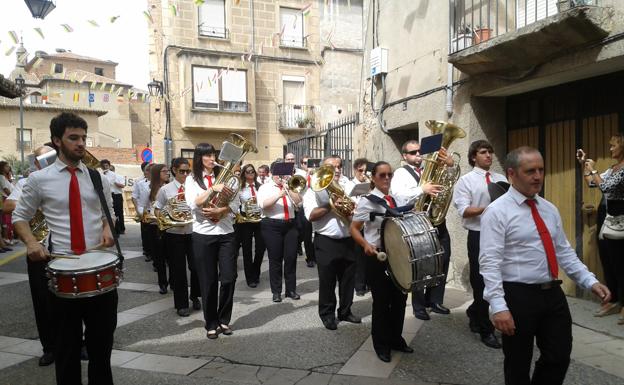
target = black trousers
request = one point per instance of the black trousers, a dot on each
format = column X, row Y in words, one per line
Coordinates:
column 118, row 209
column 179, row 251
column 215, row 262
column 478, row 311
column 388, row 307
column 305, row 235
column 336, row 262
column 360, row 268
column 157, row 252
column 542, row 316
column 43, row 300
column 280, row 238
column 610, row 251
column 426, row 297
column 250, row 233
column 144, row 241
column 99, row 315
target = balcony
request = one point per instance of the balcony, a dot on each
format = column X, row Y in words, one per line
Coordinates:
column 490, row 36
column 294, row 117
column 293, row 41
column 214, row 32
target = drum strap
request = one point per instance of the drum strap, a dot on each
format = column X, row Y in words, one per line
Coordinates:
column 412, row 172
column 96, row 179
column 395, row 212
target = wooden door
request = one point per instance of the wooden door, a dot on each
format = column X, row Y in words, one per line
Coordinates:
column 528, row 136
column 596, row 133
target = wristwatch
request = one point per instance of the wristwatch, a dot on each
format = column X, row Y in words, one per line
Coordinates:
column 587, row 174
column 593, row 172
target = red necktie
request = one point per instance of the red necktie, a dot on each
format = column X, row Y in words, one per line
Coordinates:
column 180, row 191
column 546, row 239
column 76, row 226
column 487, row 178
column 253, row 192
column 209, row 179
column 285, row 203
column 418, row 171
column 390, row 201
column 262, row 178
column 309, row 180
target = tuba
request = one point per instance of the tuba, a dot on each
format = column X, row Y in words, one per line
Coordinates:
column 226, row 175
column 436, row 207
column 324, row 180
column 176, row 213
column 252, row 213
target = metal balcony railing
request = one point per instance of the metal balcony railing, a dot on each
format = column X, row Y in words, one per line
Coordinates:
column 475, row 21
column 296, row 116
column 211, row 31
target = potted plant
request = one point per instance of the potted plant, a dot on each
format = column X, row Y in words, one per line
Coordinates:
column 482, row 34
column 305, row 122
column 463, row 38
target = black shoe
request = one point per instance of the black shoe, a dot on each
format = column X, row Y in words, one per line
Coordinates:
column 422, row 314
column 293, row 295
column 310, row 263
column 163, row 289
column 351, row 318
column 439, row 308
column 46, row 359
column 225, row 329
column 196, row 303
column 184, row 312
column 490, row 341
column 148, row 258
column 360, row 293
column 404, row 349
column 253, row 285
column 299, row 251
column 384, row 355
column 330, row 324
column 277, row 297
column 212, row 334
column 84, row 356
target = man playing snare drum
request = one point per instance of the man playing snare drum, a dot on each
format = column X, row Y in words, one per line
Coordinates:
column 67, row 196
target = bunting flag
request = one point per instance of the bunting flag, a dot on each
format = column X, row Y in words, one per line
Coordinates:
column 143, row 98
column 83, row 78
column 148, row 16
column 9, row 51
column 94, row 23
column 199, row 85
column 174, row 9
column 13, row 36
column 72, row 77
column 76, row 97
column 199, row 2
column 103, row 86
column 67, row 28
column 37, row 63
column 186, row 91
column 52, row 69
column 92, row 85
column 39, row 31
column 236, row 2
column 112, row 89
column 113, row 19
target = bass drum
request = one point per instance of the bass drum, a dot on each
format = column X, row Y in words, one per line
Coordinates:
column 414, row 251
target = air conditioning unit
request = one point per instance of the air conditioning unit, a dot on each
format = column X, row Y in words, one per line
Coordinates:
column 379, row 61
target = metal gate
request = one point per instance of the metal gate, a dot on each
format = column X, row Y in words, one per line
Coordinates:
column 335, row 139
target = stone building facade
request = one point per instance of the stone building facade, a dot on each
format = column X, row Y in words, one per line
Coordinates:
column 543, row 76
column 268, row 70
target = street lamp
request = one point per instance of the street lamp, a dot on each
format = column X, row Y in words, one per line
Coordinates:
column 40, row 8
column 155, row 88
column 19, row 81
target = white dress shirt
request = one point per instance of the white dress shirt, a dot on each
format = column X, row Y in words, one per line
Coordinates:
column 329, row 224
column 141, row 194
column 372, row 230
column 276, row 211
column 246, row 194
column 471, row 190
column 5, row 184
column 113, row 178
column 267, row 179
column 512, row 250
column 166, row 192
column 48, row 189
column 17, row 190
column 404, row 188
column 201, row 224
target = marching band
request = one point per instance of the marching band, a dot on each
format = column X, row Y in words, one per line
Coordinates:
column 393, row 231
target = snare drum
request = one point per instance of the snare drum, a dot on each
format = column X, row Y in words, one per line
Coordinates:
column 414, row 251
column 93, row 273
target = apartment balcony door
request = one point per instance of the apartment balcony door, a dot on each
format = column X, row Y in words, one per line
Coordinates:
column 558, row 121
column 294, row 98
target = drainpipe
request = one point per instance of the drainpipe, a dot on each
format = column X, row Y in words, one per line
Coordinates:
column 253, row 47
column 449, row 90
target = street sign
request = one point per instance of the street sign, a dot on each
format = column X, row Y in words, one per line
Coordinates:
column 147, row 155
column 91, row 98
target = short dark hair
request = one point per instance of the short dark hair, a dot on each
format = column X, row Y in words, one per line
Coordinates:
column 143, row 165
column 264, row 167
column 177, row 162
column 359, row 161
column 374, row 170
column 513, row 158
column 65, row 120
column 198, row 166
column 105, row 161
column 475, row 147
column 404, row 146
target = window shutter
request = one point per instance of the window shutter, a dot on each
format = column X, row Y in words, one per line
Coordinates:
column 545, row 8
column 291, row 22
column 212, row 18
column 206, row 91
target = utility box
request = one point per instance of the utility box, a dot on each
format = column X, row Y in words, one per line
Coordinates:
column 379, row 61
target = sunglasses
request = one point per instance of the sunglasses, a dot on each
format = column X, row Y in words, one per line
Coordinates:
column 361, row 170
column 385, row 175
column 250, row 172
column 184, row 171
column 413, row 152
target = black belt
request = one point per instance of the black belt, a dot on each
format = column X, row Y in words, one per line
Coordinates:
column 542, row 286
column 273, row 220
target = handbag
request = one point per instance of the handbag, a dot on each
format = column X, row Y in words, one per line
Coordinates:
column 612, row 228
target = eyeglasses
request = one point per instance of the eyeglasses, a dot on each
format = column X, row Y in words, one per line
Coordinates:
column 413, row 152
column 250, row 172
column 385, row 175
column 164, row 170
column 361, row 170
column 184, row 171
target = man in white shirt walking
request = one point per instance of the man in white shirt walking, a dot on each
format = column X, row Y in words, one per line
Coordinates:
column 117, row 183
column 522, row 246
column 470, row 198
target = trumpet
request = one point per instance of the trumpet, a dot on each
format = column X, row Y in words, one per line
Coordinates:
column 296, row 184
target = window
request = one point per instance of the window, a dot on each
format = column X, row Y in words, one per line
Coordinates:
column 291, row 23
column 212, row 19
column 294, row 90
column 99, row 71
column 58, row 68
column 35, row 98
column 27, row 139
column 526, row 12
column 187, row 153
column 220, row 89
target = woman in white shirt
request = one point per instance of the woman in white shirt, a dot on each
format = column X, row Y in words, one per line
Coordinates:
column 247, row 230
column 159, row 177
column 388, row 301
column 214, row 242
column 6, row 187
